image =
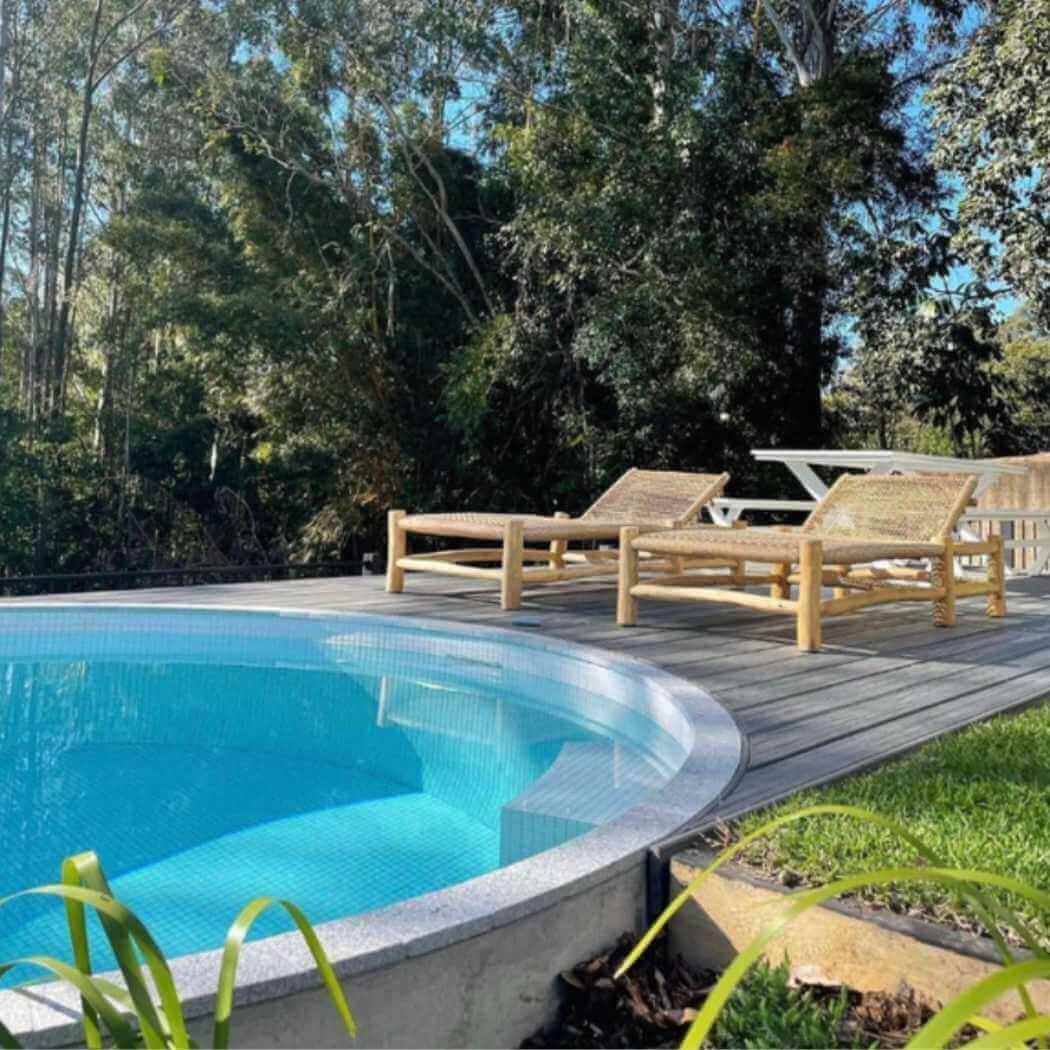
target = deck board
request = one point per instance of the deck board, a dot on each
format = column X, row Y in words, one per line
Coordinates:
column 886, row 680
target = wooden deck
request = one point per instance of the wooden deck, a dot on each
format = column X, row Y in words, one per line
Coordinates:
column 885, row 681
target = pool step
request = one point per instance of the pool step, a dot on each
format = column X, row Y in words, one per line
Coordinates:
column 589, row 783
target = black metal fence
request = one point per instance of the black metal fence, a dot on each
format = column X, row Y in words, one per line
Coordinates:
column 25, row 586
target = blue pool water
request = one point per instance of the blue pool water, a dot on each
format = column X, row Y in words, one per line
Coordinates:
column 209, row 758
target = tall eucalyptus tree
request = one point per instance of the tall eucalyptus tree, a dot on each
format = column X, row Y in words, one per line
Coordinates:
column 119, row 30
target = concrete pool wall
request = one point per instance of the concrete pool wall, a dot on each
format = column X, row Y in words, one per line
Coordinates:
column 473, row 964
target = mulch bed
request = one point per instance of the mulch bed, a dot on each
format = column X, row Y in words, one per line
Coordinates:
column 654, row 1003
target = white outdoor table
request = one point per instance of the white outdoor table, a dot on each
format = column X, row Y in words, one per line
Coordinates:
column 882, row 461
column 877, row 461
column 886, row 461
column 725, row 511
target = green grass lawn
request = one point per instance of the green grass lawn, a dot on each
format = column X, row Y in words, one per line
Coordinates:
column 980, row 798
column 766, row 1012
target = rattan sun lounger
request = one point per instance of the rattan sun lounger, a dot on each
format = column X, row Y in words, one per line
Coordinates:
column 863, row 520
column 647, row 500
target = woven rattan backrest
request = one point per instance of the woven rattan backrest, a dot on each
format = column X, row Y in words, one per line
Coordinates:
column 656, row 495
column 912, row 507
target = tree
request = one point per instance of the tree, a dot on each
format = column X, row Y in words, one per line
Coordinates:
column 690, row 216
column 131, row 28
column 992, row 120
column 1026, row 368
column 270, row 266
column 853, row 66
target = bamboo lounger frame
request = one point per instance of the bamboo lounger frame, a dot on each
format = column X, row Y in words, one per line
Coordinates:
column 863, row 519
column 648, row 500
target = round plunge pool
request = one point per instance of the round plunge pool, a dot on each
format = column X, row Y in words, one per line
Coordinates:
column 345, row 762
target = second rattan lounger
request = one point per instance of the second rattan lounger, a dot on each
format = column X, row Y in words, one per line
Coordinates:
column 863, row 519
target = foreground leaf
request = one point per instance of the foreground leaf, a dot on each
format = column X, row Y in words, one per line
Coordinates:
column 231, row 956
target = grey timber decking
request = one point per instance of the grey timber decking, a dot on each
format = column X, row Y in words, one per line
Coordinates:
column 886, row 680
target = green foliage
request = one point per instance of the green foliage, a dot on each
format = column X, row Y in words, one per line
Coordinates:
column 106, row 1006
column 952, row 379
column 945, row 380
column 980, row 797
column 766, row 1011
column 992, row 119
column 1026, row 369
column 55, row 503
column 338, row 256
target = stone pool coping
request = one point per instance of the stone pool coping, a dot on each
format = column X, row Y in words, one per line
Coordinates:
column 278, row 966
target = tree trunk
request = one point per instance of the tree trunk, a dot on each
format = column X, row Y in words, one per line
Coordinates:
column 806, row 346
column 69, row 270
column 55, row 219
column 32, row 342
column 102, row 407
column 5, row 38
column 5, row 230
column 809, row 39
column 5, row 163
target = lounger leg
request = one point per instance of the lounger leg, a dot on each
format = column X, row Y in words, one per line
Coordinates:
column 626, row 603
column 942, row 576
column 513, row 560
column 739, row 572
column 557, row 548
column 781, row 589
column 997, row 577
column 811, row 579
column 840, row 592
column 396, row 547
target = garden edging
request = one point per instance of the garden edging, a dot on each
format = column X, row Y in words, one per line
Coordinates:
column 834, row 943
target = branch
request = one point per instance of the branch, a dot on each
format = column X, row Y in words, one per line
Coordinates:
column 440, row 206
column 784, row 35
column 925, row 73
column 869, row 19
column 421, row 259
column 129, row 14
column 139, row 44
column 812, row 14
column 817, row 32
column 873, row 217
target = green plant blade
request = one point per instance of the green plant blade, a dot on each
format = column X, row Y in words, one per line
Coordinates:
column 115, row 992
column 113, row 909
column 800, row 902
column 986, row 1024
column 120, row 995
column 85, row 869
column 939, row 1029
column 1014, row 1035
column 738, row 847
column 231, row 956
column 7, row 1040
column 123, row 1033
column 76, row 922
